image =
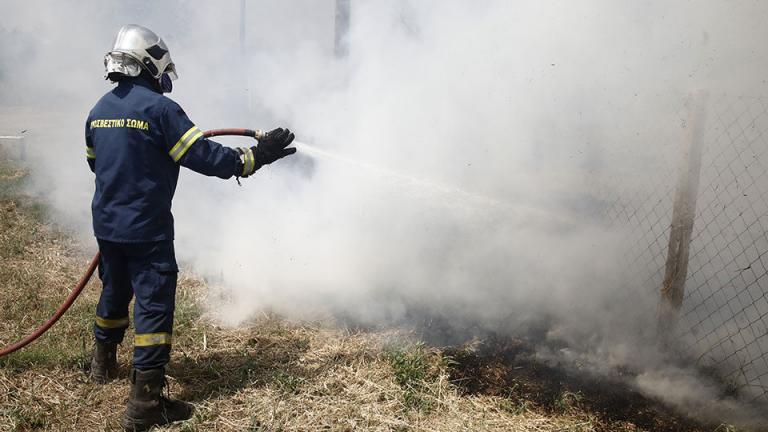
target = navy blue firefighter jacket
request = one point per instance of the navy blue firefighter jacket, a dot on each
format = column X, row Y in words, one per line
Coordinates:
column 136, row 140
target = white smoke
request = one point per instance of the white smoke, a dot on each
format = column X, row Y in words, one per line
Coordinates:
column 521, row 106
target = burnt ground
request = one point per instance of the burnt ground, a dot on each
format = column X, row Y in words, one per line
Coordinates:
column 487, row 359
column 509, row 368
column 488, row 363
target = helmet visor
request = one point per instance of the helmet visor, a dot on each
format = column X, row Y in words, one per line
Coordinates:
column 122, row 63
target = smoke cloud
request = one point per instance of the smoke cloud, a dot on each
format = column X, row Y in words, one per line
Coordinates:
column 473, row 145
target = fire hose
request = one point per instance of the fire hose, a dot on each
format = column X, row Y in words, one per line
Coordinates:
column 257, row 134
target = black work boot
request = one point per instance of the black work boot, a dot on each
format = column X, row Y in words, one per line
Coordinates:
column 103, row 362
column 147, row 406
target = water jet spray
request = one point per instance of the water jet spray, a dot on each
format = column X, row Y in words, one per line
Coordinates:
column 460, row 196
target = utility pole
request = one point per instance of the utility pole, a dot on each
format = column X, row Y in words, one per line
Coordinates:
column 244, row 58
column 341, row 35
column 242, row 27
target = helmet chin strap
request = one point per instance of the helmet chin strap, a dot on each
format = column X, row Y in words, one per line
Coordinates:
column 166, row 85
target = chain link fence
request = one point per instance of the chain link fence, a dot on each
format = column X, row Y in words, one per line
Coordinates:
column 723, row 319
column 724, row 315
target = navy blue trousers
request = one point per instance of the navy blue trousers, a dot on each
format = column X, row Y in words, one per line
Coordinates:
column 147, row 271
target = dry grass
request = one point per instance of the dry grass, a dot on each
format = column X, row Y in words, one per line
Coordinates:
column 271, row 375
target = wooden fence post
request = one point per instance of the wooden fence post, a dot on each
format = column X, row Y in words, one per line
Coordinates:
column 683, row 214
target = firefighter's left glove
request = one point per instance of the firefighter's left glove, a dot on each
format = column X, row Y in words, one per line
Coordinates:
column 273, row 146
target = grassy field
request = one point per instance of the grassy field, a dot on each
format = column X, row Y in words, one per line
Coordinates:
column 271, row 374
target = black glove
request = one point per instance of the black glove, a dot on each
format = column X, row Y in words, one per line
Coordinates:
column 270, row 148
column 273, row 146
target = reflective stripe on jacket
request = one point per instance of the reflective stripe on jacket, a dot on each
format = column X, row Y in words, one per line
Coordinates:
column 136, row 139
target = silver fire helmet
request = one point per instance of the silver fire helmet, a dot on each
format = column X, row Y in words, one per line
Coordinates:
column 137, row 47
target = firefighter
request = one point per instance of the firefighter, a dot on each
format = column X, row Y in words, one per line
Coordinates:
column 136, row 141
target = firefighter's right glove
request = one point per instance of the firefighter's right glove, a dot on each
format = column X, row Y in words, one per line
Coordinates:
column 273, row 146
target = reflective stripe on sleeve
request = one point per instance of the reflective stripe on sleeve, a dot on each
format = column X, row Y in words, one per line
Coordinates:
column 151, row 339
column 89, row 153
column 112, row 323
column 185, row 142
column 248, row 162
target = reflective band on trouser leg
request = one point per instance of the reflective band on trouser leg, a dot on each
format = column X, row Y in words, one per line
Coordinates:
column 184, row 143
column 152, row 339
column 89, row 153
column 108, row 323
column 154, row 282
column 112, row 310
